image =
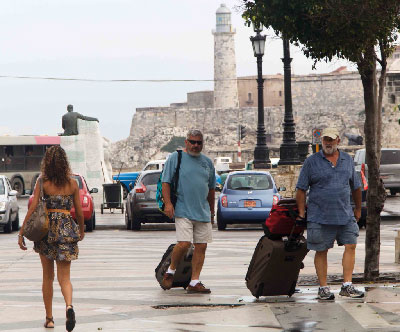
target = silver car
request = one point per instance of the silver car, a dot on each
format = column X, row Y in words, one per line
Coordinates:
column 141, row 205
column 9, row 209
column 389, row 168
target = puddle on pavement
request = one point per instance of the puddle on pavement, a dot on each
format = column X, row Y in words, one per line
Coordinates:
column 302, row 327
column 197, row 305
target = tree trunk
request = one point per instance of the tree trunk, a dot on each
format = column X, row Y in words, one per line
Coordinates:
column 376, row 192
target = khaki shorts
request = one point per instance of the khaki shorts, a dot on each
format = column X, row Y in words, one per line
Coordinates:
column 193, row 231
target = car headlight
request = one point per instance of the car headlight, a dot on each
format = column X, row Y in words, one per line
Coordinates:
column 2, row 205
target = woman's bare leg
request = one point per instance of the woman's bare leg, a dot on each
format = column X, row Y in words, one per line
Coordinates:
column 47, row 286
column 63, row 277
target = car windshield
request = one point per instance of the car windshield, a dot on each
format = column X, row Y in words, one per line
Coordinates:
column 78, row 181
column 389, row 157
column 249, row 182
column 2, row 189
column 151, row 178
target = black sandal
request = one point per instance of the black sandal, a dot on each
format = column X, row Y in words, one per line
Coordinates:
column 70, row 322
column 48, row 321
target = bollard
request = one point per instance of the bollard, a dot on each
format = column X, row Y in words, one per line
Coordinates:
column 397, row 248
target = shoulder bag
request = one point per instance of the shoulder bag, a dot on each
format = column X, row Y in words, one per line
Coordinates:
column 37, row 226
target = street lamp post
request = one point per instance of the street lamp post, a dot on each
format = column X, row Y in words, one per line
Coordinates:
column 261, row 152
column 288, row 150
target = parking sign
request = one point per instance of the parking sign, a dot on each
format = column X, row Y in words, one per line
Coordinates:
column 316, row 135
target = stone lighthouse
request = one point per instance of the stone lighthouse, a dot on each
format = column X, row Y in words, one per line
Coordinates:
column 225, row 84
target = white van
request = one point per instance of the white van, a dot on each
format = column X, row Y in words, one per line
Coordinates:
column 221, row 164
column 154, row 165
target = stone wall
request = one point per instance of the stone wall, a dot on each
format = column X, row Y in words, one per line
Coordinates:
column 318, row 101
column 321, row 101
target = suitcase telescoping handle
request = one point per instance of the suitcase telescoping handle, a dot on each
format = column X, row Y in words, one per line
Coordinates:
column 292, row 243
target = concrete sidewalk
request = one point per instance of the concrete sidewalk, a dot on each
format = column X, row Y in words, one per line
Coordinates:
column 115, row 289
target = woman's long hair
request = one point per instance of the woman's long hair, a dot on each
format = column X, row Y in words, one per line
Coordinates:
column 55, row 166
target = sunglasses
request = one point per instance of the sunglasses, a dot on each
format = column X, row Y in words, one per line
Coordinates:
column 195, row 142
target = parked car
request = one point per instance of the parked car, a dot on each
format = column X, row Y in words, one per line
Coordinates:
column 87, row 204
column 246, row 198
column 389, row 167
column 141, row 205
column 9, row 209
column 125, row 179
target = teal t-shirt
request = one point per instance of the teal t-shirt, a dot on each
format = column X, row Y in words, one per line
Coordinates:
column 196, row 178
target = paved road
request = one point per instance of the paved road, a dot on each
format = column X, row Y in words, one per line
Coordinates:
column 115, row 288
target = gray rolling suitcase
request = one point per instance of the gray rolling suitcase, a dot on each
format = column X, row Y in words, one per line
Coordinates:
column 275, row 266
column 183, row 271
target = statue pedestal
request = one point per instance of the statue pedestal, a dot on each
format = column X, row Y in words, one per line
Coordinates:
column 86, row 157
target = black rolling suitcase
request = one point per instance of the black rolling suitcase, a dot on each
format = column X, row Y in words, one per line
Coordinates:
column 275, row 266
column 183, row 271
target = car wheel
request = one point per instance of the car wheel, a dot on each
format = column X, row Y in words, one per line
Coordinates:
column 128, row 222
column 102, row 208
column 15, row 223
column 221, row 223
column 136, row 224
column 18, row 185
column 393, row 192
column 122, row 209
column 89, row 225
column 8, row 226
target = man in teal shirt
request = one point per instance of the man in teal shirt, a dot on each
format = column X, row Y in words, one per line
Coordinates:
column 194, row 209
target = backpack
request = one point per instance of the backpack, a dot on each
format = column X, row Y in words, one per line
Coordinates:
column 282, row 220
column 174, row 186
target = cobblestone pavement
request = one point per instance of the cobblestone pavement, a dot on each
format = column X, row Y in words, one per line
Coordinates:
column 115, row 288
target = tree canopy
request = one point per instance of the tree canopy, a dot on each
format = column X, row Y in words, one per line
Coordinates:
column 329, row 28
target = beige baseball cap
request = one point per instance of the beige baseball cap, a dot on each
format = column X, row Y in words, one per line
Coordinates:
column 330, row 132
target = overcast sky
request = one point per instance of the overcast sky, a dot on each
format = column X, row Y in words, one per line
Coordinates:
column 108, row 40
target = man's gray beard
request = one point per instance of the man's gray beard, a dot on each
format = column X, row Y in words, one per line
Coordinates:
column 193, row 154
column 333, row 148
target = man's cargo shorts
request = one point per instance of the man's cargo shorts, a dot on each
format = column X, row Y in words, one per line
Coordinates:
column 321, row 237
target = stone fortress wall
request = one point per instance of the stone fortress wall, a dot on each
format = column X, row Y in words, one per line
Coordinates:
column 318, row 101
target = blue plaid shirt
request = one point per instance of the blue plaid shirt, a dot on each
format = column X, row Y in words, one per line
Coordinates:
column 330, row 188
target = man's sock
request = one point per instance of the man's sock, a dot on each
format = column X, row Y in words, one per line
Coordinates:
column 347, row 283
column 194, row 282
column 171, row 271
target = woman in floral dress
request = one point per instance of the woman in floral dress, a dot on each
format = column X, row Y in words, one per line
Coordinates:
column 61, row 244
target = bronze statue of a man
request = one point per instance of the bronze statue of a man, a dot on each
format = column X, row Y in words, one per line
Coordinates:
column 70, row 121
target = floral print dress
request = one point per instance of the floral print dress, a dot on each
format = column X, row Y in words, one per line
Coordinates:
column 61, row 243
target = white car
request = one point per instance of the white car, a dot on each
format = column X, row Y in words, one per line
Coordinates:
column 9, row 209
